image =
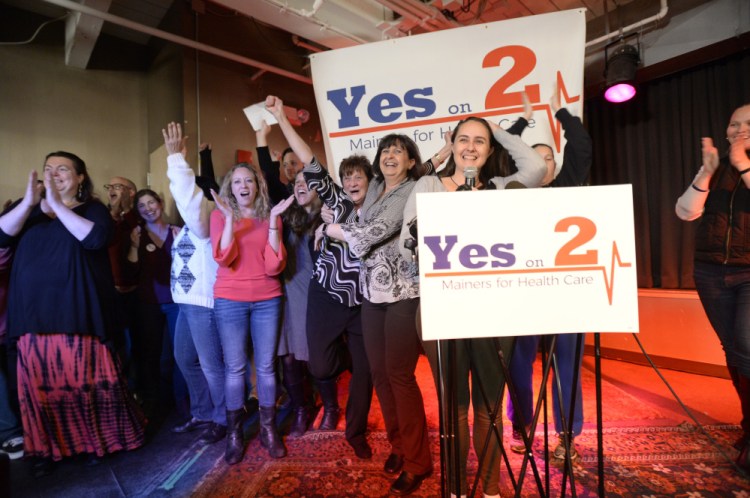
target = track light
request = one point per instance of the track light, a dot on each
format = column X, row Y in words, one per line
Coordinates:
column 619, row 73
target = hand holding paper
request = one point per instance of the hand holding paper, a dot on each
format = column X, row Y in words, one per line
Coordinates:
column 257, row 114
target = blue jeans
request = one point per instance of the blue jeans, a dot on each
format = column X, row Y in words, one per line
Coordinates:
column 197, row 350
column 725, row 294
column 236, row 320
column 522, row 369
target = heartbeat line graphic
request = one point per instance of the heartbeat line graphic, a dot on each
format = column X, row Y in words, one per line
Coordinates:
column 609, row 278
column 554, row 125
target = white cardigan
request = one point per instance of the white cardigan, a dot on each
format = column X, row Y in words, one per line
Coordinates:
column 193, row 265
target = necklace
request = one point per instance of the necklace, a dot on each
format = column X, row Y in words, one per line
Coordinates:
column 454, row 181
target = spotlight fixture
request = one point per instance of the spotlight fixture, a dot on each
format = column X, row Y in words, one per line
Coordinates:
column 619, row 72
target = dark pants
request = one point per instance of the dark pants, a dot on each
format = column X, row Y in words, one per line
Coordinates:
column 725, row 294
column 479, row 358
column 393, row 348
column 127, row 306
column 153, row 358
column 522, row 371
column 331, row 328
column 10, row 419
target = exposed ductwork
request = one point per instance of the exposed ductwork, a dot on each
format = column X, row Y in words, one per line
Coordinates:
column 76, row 7
column 637, row 25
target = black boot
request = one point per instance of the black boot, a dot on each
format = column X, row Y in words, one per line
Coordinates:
column 300, row 410
column 331, row 411
column 269, row 436
column 235, row 440
column 742, row 386
column 300, row 422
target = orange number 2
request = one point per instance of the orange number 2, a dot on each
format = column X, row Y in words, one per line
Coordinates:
column 586, row 232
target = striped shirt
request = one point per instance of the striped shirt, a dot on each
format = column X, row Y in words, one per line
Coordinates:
column 336, row 269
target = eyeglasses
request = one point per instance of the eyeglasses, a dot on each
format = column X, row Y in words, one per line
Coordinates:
column 116, row 186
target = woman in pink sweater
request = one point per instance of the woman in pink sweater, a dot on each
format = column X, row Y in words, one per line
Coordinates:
column 246, row 241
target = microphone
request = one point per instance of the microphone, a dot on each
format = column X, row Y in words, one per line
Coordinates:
column 470, row 174
column 412, row 243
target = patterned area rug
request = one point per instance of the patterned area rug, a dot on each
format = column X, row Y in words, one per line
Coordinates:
column 639, row 461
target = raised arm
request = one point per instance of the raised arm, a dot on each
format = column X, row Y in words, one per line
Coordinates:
column 190, row 200
column 522, row 122
column 578, row 153
column 690, row 204
column 531, row 167
column 12, row 222
column 276, row 107
column 271, row 169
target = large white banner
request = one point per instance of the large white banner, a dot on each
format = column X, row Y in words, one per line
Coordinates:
column 527, row 261
column 423, row 85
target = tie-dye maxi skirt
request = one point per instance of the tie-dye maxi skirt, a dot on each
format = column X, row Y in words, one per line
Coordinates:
column 74, row 398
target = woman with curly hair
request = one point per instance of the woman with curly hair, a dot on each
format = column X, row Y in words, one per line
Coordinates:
column 247, row 246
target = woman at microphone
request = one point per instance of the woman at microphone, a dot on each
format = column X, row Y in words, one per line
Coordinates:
column 479, row 161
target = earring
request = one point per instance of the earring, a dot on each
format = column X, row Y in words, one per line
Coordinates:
column 80, row 192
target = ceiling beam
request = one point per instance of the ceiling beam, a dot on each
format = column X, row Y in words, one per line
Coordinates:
column 180, row 40
column 81, row 33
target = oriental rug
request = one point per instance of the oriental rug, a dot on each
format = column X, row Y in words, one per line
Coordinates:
column 645, row 461
column 649, row 451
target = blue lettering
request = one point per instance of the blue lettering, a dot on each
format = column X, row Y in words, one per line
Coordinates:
column 384, row 102
column 347, row 110
column 421, row 107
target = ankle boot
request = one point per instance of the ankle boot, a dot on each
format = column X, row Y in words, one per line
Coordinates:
column 269, row 436
column 300, row 409
column 331, row 412
column 300, row 422
column 235, row 440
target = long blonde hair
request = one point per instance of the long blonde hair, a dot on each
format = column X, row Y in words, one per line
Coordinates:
column 261, row 205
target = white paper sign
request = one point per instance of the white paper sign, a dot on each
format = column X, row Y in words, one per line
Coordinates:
column 423, row 85
column 257, row 113
column 527, row 261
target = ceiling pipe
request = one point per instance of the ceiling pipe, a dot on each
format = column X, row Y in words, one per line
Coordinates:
column 428, row 17
column 408, row 14
column 655, row 18
column 308, row 46
column 186, row 42
column 430, row 11
column 309, row 16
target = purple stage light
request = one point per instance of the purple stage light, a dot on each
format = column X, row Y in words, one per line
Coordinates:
column 621, row 92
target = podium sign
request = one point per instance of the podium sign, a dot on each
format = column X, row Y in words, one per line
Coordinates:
column 527, row 261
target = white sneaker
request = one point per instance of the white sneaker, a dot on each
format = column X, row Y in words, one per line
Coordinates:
column 13, row 447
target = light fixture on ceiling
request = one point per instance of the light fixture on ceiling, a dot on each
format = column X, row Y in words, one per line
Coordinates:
column 621, row 65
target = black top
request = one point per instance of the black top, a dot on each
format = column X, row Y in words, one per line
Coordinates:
column 722, row 236
column 58, row 284
column 578, row 153
column 271, row 169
